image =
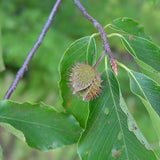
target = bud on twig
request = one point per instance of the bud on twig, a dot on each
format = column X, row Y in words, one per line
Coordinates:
column 114, row 66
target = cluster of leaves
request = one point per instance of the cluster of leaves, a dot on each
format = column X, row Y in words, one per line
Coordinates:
column 103, row 128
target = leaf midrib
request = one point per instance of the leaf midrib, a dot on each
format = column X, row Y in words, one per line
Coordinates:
column 29, row 122
column 117, row 115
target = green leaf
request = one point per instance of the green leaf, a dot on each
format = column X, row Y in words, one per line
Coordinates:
column 149, row 92
column 42, row 127
column 146, row 136
column 128, row 26
column 146, row 88
column 148, row 70
column 1, row 57
column 144, row 50
column 82, row 51
column 154, row 2
column 107, row 135
column 133, row 125
column 145, row 53
column 1, row 153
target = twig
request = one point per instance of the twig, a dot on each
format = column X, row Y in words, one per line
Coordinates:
column 99, row 60
column 43, row 32
column 102, row 33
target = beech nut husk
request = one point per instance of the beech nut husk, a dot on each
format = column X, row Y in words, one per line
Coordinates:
column 85, row 81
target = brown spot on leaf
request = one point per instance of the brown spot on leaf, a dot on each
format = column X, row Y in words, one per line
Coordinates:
column 92, row 51
column 68, row 104
column 39, row 147
column 131, row 38
column 133, row 127
column 115, row 153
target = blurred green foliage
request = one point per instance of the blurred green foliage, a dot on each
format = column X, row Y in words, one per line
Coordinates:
column 21, row 22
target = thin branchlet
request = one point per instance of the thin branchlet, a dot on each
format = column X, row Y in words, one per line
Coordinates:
column 99, row 60
column 43, row 32
column 100, row 29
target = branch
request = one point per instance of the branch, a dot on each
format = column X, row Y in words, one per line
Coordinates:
column 43, row 32
column 100, row 29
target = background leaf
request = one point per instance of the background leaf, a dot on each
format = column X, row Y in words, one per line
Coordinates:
column 128, row 26
column 42, row 127
column 82, row 51
column 107, row 135
column 12, row 130
column 1, row 58
column 154, row 1
column 1, row 153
